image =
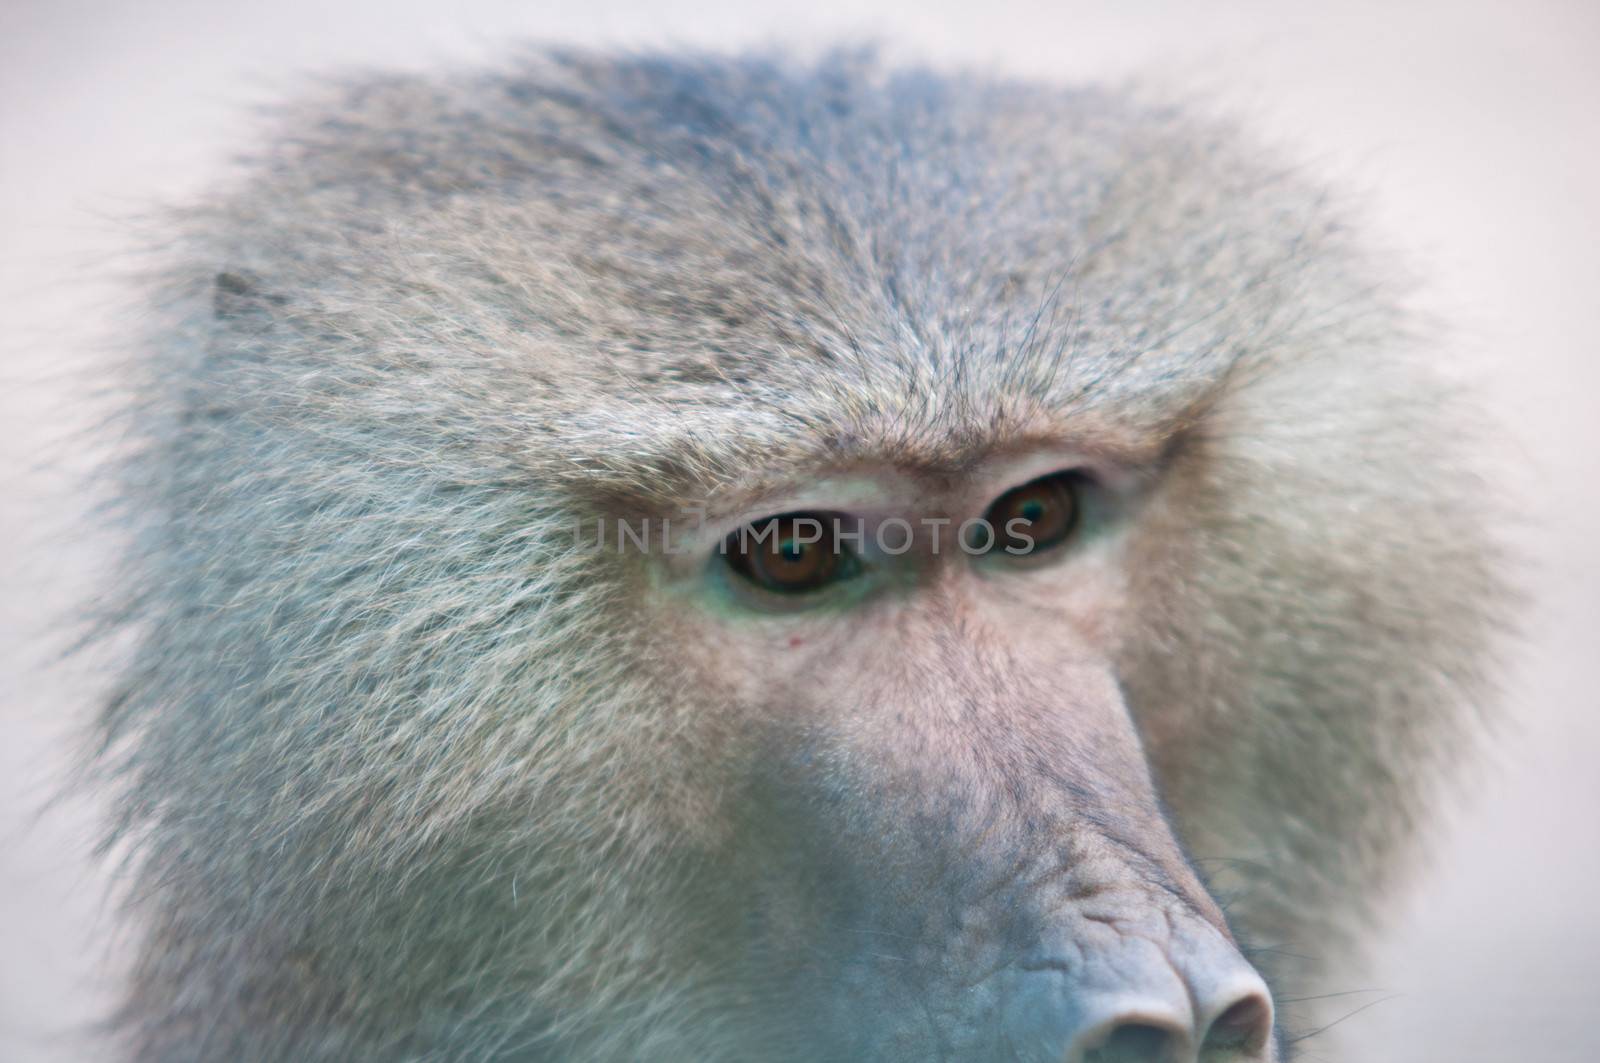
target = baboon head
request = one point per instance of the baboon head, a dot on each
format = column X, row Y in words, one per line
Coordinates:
column 691, row 558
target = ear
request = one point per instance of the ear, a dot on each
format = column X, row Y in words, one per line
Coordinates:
column 239, row 293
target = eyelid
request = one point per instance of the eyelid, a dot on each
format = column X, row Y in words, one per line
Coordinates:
column 830, row 521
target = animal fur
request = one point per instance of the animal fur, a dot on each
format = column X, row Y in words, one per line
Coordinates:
column 406, row 775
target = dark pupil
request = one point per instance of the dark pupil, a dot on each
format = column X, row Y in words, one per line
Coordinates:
column 793, row 565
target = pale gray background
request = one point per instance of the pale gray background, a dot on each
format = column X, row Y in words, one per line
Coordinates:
column 1471, row 125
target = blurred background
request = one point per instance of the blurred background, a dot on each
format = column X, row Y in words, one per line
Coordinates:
column 1472, row 128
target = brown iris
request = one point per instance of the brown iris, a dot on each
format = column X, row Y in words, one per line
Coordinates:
column 1037, row 516
column 789, row 554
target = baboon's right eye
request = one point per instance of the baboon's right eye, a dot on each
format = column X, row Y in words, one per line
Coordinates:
column 794, row 553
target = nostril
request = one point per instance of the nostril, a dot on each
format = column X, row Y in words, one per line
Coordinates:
column 1189, row 997
column 1241, row 1032
column 1137, row 1042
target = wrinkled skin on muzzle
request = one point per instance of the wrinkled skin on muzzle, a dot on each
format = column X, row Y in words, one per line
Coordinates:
column 967, row 859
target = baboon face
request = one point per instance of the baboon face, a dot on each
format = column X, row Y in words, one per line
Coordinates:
column 917, row 782
column 1016, row 482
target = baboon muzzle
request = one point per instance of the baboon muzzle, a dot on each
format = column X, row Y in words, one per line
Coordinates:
column 984, row 885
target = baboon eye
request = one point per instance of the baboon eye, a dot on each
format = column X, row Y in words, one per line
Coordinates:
column 1040, row 515
column 793, row 553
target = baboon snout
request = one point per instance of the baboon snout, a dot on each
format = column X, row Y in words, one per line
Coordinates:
column 1133, row 999
column 997, row 881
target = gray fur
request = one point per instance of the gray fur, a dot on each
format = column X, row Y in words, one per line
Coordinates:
column 403, row 773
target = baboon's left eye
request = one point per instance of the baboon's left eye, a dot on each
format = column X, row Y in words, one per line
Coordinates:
column 1040, row 515
column 790, row 554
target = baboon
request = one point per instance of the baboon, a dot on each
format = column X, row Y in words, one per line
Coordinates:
column 747, row 558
